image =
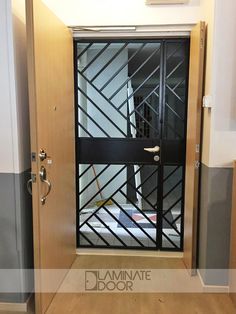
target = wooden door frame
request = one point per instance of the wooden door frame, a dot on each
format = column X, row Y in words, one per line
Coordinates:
column 194, row 145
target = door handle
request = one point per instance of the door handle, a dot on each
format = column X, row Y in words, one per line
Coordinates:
column 29, row 186
column 43, row 178
column 154, row 149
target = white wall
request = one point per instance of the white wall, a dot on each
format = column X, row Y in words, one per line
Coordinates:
column 21, row 84
column 223, row 124
column 14, row 120
column 123, row 12
column 7, row 162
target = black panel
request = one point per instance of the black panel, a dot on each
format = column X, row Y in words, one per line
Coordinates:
column 115, row 151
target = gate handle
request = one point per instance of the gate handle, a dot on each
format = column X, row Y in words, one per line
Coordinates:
column 154, row 149
column 43, row 178
column 29, row 187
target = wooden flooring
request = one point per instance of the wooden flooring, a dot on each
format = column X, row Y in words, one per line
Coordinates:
column 141, row 304
column 138, row 303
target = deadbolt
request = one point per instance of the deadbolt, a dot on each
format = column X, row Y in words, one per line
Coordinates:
column 156, row 158
column 42, row 155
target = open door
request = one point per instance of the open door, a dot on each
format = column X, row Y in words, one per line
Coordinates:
column 197, row 51
column 50, row 67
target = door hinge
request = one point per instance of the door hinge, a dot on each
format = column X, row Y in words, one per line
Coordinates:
column 197, row 164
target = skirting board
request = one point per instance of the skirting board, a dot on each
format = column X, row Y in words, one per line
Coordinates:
column 81, row 251
column 211, row 288
column 16, row 307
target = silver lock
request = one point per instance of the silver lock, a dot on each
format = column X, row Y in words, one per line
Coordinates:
column 156, row 158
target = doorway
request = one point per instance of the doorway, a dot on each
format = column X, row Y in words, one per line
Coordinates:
column 131, row 120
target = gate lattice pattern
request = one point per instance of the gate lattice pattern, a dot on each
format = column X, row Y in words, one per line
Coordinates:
column 131, row 90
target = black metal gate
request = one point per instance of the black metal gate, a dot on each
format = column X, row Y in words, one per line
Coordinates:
column 131, row 109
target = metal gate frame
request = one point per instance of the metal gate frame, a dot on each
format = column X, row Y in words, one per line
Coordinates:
column 161, row 175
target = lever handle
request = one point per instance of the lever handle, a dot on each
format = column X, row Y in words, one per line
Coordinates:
column 154, row 149
column 29, row 186
column 43, row 175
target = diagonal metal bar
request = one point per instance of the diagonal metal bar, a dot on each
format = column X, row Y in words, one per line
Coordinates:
column 169, row 240
column 145, row 99
column 148, row 177
column 174, row 93
column 140, row 86
column 102, row 112
column 102, row 188
column 121, row 186
column 88, row 115
column 110, row 61
column 123, row 226
column 133, row 221
column 174, row 112
column 98, row 234
column 177, row 85
column 90, row 166
column 135, row 72
column 138, row 209
column 173, row 52
column 141, row 116
column 172, row 206
column 171, row 173
column 85, row 130
column 172, row 189
column 95, row 58
column 122, row 67
column 173, row 227
column 84, row 50
column 95, row 178
column 175, row 68
column 150, row 106
column 173, row 130
column 109, row 101
column 155, row 188
column 149, row 203
column 86, row 238
column 177, row 218
column 110, row 230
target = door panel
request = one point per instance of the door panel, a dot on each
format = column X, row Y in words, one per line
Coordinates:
column 197, row 50
column 50, row 66
column 132, row 95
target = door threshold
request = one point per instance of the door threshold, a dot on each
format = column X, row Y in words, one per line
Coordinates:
column 115, row 252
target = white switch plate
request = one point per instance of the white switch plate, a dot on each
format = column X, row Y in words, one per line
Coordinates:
column 166, row 1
